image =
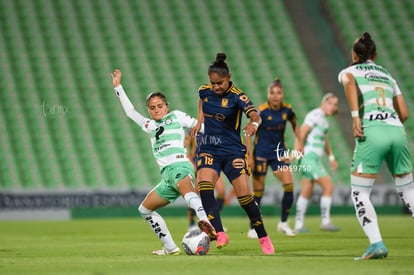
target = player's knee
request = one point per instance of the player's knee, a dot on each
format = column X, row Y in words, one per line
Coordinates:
column 258, row 193
column 288, row 187
column 143, row 211
column 404, row 181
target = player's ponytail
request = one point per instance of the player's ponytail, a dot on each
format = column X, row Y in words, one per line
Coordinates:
column 275, row 82
column 219, row 65
column 364, row 47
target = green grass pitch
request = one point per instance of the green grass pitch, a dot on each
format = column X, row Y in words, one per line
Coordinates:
column 124, row 245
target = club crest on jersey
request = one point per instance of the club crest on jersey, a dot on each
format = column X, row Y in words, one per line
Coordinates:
column 269, row 118
column 168, row 121
column 224, row 102
column 284, row 116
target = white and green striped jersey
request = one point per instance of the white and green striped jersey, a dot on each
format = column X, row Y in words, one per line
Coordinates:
column 318, row 124
column 167, row 135
column 377, row 90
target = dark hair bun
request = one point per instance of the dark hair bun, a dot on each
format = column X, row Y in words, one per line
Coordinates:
column 220, row 57
column 366, row 37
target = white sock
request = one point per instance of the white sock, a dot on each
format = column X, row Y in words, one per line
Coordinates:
column 405, row 188
column 158, row 225
column 193, row 201
column 326, row 210
column 301, row 207
column 365, row 211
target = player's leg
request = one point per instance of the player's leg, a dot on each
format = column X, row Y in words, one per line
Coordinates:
column 258, row 182
column 237, row 172
column 208, row 171
column 258, row 189
column 147, row 210
column 286, row 178
column 259, row 176
column 206, row 178
column 191, row 219
column 220, row 192
column 191, row 216
column 405, row 188
column 399, row 164
column 326, row 201
column 361, row 186
column 186, row 188
column 302, row 204
column 246, row 200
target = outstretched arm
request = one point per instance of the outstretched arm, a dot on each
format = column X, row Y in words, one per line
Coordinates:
column 125, row 102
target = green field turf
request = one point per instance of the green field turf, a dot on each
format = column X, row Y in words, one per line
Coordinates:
column 123, row 246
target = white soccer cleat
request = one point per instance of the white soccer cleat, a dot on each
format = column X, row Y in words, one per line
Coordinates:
column 251, row 234
column 330, row 227
column 163, row 252
column 284, row 228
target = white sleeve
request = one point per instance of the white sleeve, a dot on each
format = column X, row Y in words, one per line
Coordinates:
column 310, row 120
column 340, row 75
column 128, row 107
column 185, row 119
column 396, row 90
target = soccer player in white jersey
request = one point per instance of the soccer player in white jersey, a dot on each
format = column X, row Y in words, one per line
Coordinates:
column 167, row 132
column 378, row 111
column 314, row 133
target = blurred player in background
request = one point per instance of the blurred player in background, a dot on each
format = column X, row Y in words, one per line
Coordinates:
column 314, row 132
column 270, row 150
column 378, row 111
column 167, row 132
column 221, row 148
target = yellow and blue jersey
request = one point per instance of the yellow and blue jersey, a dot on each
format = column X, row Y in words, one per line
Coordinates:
column 270, row 135
column 222, row 120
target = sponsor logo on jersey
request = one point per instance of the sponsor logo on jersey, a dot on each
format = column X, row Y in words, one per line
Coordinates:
column 382, row 116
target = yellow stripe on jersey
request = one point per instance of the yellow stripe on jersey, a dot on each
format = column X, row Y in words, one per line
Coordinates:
column 239, row 112
column 264, row 106
column 287, row 105
column 235, row 90
column 204, row 87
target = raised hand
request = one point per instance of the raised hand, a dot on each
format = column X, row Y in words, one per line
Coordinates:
column 116, row 77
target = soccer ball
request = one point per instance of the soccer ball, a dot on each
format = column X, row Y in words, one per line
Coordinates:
column 196, row 242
